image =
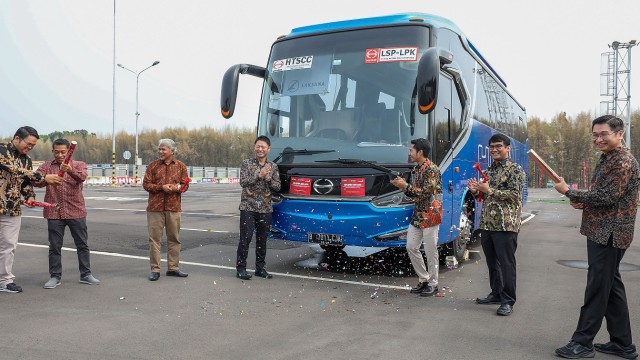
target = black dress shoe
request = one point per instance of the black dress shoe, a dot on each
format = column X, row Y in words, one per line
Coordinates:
column 153, row 276
column 504, row 310
column 177, row 273
column 573, row 350
column 490, row 299
column 418, row 288
column 627, row 352
column 244, row 275
column 263, row 274
column 429, row 291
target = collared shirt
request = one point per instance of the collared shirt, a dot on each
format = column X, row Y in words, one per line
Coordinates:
column 611, row 203
column 425, row 185
column 256, row 192
column 159, row 173
column 16, row 178
column 68, row 196
column 503, row 203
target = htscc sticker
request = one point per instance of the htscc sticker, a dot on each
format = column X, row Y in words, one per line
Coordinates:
column 294, row 63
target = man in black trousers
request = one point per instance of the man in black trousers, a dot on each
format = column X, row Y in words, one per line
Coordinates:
column 609, row 210
column 258, row 177
column 500, row 222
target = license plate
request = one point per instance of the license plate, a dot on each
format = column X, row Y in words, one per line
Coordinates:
column 325, row 239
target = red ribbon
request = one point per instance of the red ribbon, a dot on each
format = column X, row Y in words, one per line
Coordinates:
column 40, row 204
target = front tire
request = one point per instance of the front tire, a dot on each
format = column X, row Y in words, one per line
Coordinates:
column 458, row 246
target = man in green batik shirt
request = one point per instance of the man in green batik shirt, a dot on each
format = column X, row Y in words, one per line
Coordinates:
column 500, row 222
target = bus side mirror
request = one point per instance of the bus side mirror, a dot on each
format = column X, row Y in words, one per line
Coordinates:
column 427, row 80
column 229, row 91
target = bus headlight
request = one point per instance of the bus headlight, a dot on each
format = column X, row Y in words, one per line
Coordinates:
column 392, row 199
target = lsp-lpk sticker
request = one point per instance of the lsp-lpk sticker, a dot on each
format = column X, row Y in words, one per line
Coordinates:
column 394, row 54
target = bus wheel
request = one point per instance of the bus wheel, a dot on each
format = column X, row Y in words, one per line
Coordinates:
column 458, row 246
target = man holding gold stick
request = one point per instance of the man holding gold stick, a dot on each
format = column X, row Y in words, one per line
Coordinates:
column 71, row 212
column 609, row 210
column 500, row 222
column 16, row 180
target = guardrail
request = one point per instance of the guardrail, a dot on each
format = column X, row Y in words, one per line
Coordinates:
column 130, row 180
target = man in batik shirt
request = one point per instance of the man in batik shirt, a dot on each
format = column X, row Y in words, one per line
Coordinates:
column 71, row 212
column 258, row 178
column 165, row 179
column 500, row 222
column 609, row 210
column 425, row 189
column 16, row 180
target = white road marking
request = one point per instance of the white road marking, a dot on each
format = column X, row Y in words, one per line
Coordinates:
column 531, row 216
column 306, row 277
column 206, row 230
column 187, row 229
column 184, row 213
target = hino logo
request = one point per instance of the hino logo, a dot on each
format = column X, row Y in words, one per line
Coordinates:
column 323, row 186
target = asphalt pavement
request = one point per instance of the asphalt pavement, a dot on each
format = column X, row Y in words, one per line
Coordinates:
column 311, row 309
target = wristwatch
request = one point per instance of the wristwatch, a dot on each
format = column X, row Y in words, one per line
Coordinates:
column 490, row 191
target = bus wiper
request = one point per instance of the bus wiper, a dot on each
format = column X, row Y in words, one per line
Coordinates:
column 363, row 162
column 290, row 151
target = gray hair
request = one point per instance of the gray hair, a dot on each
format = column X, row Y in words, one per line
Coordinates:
column 168, row 143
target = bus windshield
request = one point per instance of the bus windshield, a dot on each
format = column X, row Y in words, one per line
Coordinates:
column 349, row 92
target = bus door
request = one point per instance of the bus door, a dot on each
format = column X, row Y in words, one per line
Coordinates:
column 448, row 121
column 442, row 140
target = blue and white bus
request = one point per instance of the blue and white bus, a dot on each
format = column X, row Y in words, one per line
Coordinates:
column 341, row 102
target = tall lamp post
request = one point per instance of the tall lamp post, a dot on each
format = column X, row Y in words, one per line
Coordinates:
column 137, row 74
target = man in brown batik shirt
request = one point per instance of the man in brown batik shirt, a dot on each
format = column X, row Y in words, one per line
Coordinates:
column 163, row 180
column 608, row 218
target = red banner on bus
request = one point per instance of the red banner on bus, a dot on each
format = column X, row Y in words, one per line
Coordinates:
column 300, row 186
column 352, row 187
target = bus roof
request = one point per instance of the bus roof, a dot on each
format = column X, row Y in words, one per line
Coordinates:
column 404, row 18
column 376, row 21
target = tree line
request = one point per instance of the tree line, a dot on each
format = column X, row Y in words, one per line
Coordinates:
column 564, row 142
column 225, row 147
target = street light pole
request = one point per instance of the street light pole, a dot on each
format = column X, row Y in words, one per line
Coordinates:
column 137, row 74
column 113, row 108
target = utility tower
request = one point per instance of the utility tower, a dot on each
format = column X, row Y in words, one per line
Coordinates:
column 615, row 81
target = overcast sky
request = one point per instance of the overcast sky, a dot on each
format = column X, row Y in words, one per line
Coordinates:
column 57, row 56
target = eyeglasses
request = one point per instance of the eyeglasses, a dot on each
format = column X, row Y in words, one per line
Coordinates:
column 604, row 135
column 496, row 147
column 29, row 145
